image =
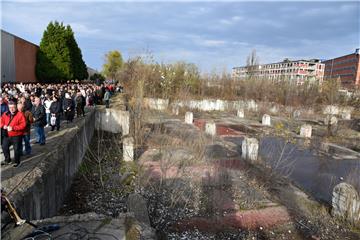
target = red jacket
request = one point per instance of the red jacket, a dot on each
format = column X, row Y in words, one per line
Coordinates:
column 18, row 123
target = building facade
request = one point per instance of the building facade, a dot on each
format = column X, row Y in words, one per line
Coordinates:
column 297, row 71
column 346, row 68
column 18, row 59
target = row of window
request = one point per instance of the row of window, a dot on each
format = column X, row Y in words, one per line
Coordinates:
column 338, row 62
column 328, row 69
column 344, row 75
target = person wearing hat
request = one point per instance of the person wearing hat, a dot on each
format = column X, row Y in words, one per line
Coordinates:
column 12, row 126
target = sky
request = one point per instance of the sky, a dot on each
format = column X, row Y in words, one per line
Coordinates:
column 214, row 35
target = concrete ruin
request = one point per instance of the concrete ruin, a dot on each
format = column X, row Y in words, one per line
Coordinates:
column 128, row 149
column 210, row 128
column 306, row 131
column 112, row 120
column 331, row 110
column 266, row 120
column 240, row 113
column 346, row 203
column 38, row 189
column 156, row 103
column 250, row 149
column 189, row 118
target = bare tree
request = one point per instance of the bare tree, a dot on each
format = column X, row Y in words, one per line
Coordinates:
column 252, row 63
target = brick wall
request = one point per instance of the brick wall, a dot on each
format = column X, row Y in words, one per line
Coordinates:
column 25, row 60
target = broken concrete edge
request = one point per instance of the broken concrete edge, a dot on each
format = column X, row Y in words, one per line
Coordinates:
column 346, row 204
column 210, row 104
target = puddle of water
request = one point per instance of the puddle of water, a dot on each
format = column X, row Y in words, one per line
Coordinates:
column 315, row 174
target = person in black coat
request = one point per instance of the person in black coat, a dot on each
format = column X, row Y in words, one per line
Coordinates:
column 55, row 111
column 80, row 104
column 39, row 115
column 68, row 108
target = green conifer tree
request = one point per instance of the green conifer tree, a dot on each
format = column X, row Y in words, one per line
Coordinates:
column 59, row 57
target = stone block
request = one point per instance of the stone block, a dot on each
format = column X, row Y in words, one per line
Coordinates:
column 189, row 117
column 306, row 131
column 210, row 128
column 250, row 149
column 240, row 113
column 331, row 110
column 346, row 115
column 175, row 110
column 274, row 109
column 252, row 105
column 137, row 204
column 128, row 149
column 157, row 103
column 296, row 114
column 266, row 120
column 330, row 120
column 346, row 203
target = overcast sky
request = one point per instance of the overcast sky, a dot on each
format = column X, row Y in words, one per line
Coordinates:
column 214, row 35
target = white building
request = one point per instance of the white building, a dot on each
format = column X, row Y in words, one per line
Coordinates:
column 298, row 71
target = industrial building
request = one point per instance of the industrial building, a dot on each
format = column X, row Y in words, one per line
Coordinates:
column 346, row 68
column 18, row 59
column 297, row 71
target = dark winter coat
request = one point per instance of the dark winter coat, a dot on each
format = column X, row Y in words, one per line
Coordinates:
column 68, row 104
column 56, row 108
column 40, row 115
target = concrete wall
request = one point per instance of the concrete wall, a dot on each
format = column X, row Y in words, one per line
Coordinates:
column 113, row 120
column 43, row 193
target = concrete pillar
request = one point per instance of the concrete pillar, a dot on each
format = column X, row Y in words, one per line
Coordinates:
column 189, row 117
column 125, row 123
column 296, row 114
column 250, row 149
column 266, row 120
column 210, row 128
column 175, row 110
column 346, row 203
column 331, row 110
column 306, row 131
column 128, row 149
column 240, row 113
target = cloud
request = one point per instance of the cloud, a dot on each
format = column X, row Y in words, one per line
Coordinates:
column 211, row 34
column 232, row 20
column 82, row 29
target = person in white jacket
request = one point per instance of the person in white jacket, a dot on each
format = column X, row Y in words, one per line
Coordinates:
column 47, row 103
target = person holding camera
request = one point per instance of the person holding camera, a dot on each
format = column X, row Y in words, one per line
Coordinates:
column 12, row 126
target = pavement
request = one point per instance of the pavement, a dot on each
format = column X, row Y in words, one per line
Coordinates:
column 79, row 226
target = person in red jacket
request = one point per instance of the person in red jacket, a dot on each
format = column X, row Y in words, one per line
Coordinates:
column 12, row 124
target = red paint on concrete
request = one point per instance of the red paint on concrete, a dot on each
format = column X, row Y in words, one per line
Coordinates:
column 224, row 130
column 221, row 129
column 200, row 123
column 249, row 219
column 235, row 164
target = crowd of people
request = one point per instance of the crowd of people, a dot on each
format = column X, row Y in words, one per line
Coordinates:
column 24, row 106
